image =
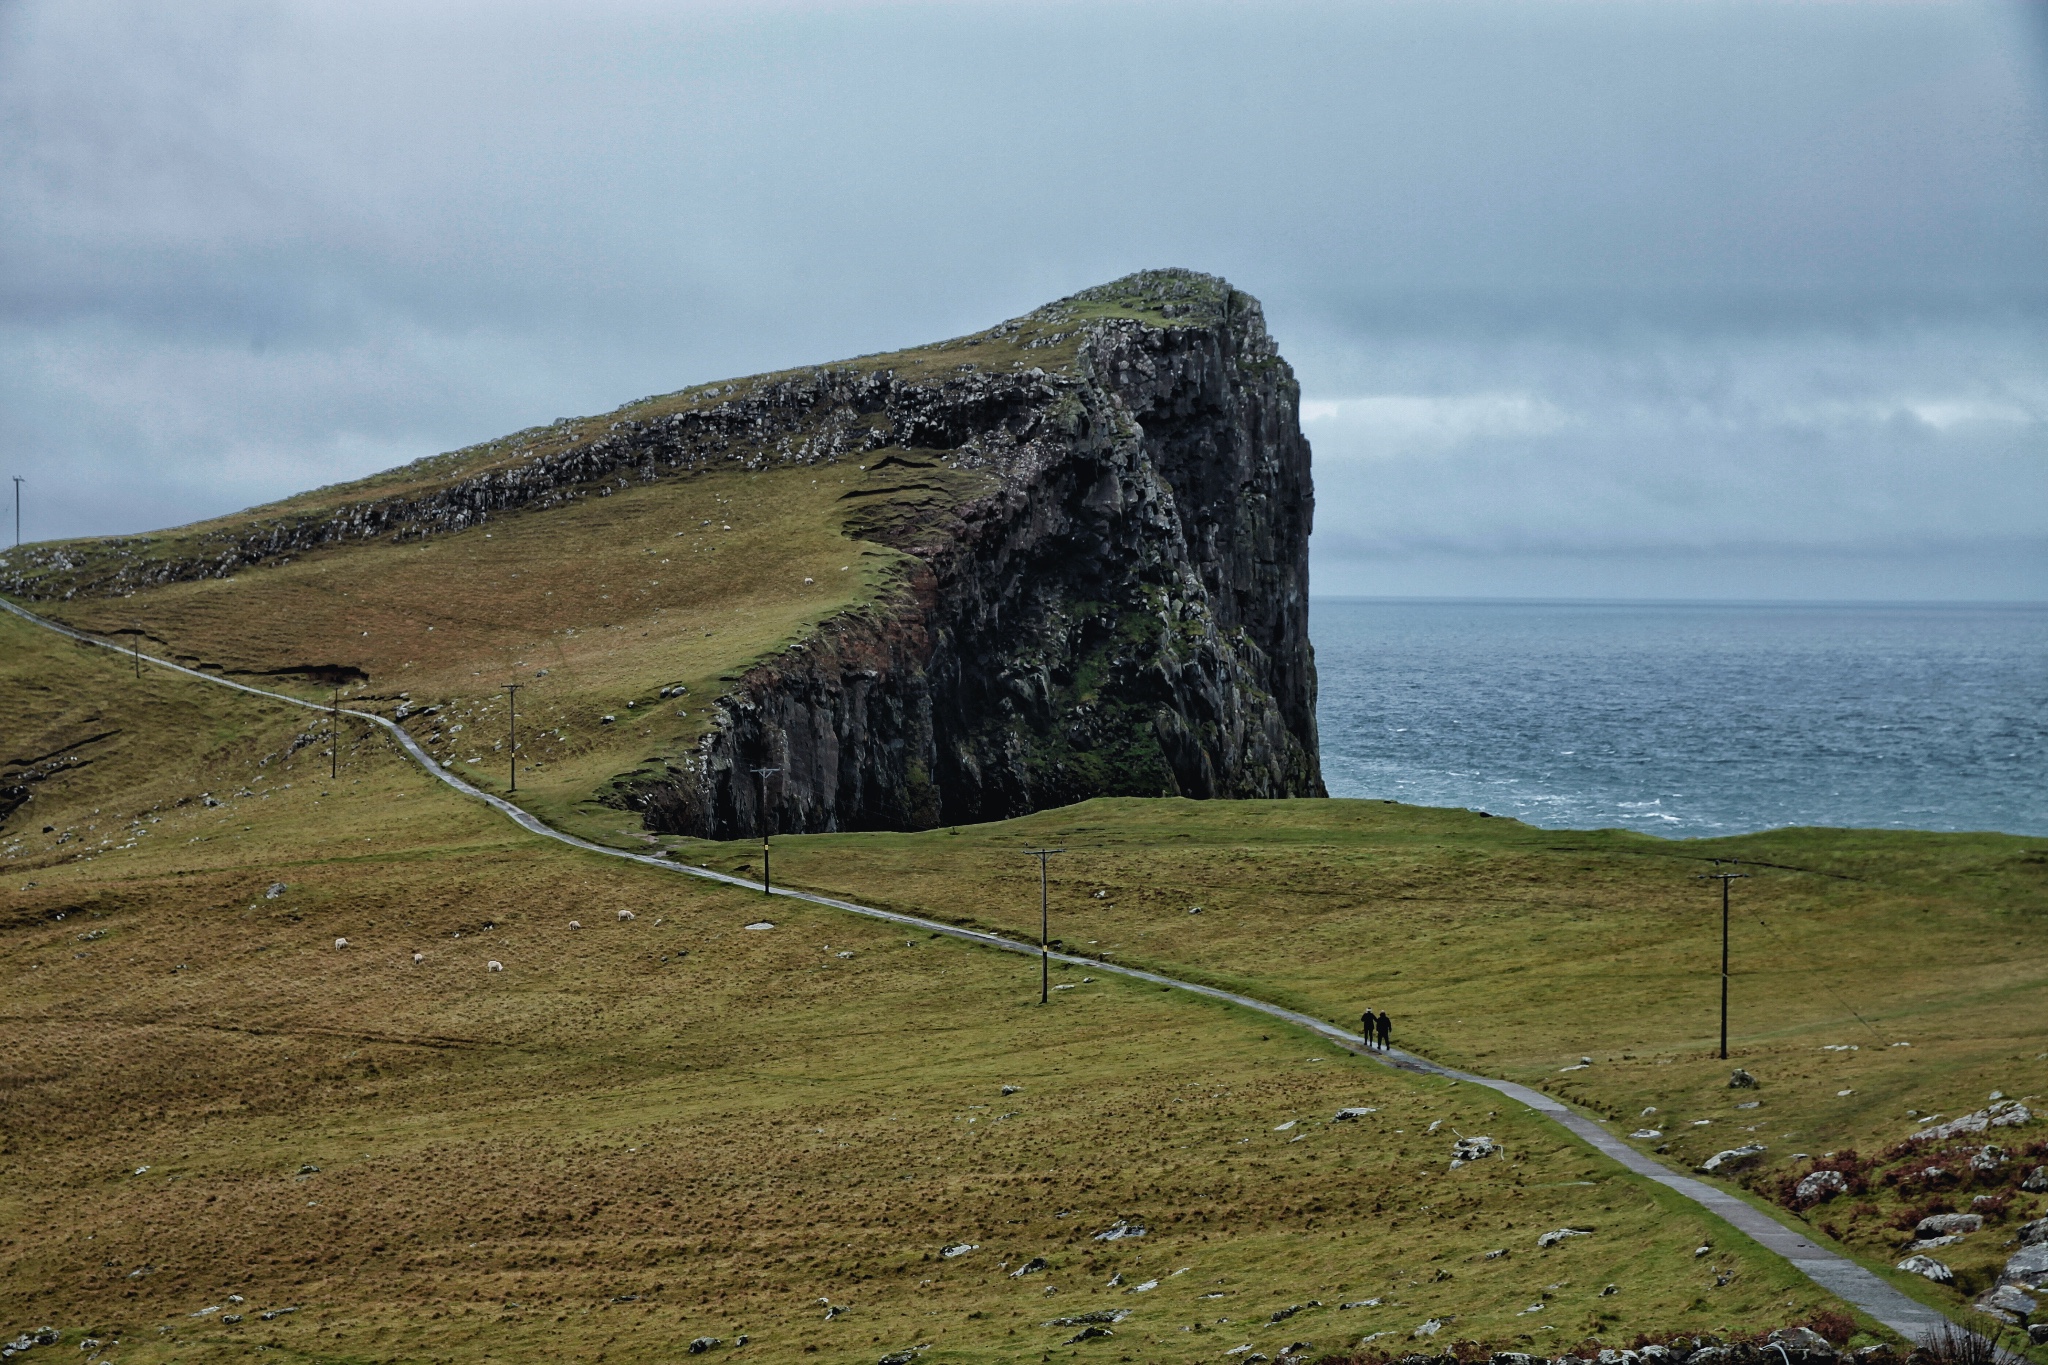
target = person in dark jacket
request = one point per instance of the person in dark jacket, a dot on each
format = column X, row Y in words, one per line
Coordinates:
column 1366, row 1027
column 1386, row 1030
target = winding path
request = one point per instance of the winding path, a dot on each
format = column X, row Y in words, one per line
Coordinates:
column 1835, row 1273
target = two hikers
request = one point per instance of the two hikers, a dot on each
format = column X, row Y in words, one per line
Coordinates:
column 1372, row 1026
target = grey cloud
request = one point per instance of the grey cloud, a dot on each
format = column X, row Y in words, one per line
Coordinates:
column 251, row 247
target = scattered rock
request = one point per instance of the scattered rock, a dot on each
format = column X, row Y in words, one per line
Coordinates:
column 1089, row 1333
column 1988, row 1158
column 1947, row 1224
column 958, row 1249
column 309, row 1169
column 2036, row 1231
column 2004, row 1114
column 1144, row 1288
column 701, row 1344
column 276, row 889
column 1496, row 1255
column 2036, row 1181
column 1012, row 1089
column 2008, row 1301
column 2037, row 1333
column 762, row 924
column 1357, row 1111
column 1819, row 1185
column 902, row 1357
column 1733, row 1157
column 1358, row 1303
column 1928, row 1267
column 1930, row 1243
column 1120, row 1229
column 1647, row 1133
column 1031, row 1267
column 1551, row 1239
column 1083, row 1319
column 1742, row 1080
column 1429, row 1328
column 1473, row 1149
column 2028, row 1266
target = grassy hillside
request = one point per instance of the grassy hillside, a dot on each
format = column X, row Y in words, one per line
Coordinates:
column 1878, row 977
column 645, row 1131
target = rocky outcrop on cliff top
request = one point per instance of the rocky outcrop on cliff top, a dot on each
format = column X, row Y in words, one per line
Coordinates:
column 1105, row 514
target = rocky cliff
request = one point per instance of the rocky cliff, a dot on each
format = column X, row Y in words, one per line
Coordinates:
column 1102, row 511
column 1119, row 608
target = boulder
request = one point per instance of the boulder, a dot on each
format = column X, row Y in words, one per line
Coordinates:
column 1742, row 1080
column 2038, row 1334
column 1120, row 1229
column 1948, row 1224
column 1089, row 1333
column 701, row 1344
column 1473, row 1149
column 1988, row 1158
column 1733, row 1157
column 2028, row 1266
column 2036, row 1181
column 1031, row 1267
column 958, row 1249
column 1819, row 1185
column 1356, row 1111
column 1929, row 1268
column 1803, row 1341
column 2036, row 1231
column 2007, row 1301
column 1551, row 1239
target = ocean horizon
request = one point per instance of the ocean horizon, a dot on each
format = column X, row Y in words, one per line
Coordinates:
column 1690, row 718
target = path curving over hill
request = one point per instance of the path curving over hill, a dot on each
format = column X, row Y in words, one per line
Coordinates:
column 1836, row 1273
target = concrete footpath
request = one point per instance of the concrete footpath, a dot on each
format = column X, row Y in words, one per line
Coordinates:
column 1837, row 1274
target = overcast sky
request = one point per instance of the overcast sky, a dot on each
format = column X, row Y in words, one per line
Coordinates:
column 1670, row 299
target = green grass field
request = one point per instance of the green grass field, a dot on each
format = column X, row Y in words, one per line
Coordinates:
column 1877, row 977
column 644, row 1131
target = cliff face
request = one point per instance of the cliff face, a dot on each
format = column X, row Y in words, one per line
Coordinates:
column 1102, row 511
column 1120, row 607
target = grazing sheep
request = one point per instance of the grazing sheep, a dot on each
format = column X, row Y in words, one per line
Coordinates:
column 574, row 925
column 418, row 958
column 496, row 965
column 625, row 914
column 341, row 943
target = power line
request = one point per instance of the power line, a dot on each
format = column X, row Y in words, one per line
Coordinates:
column 763, row 774
column 1724, row 878
column 512, row 748
column 1044, row 923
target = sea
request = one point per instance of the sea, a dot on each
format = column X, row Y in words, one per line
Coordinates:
column 1690, row 719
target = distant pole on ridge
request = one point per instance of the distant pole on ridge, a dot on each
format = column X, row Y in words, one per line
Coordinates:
column 762, row 774
column 17, row 511
column 334, row 737
column 138, row 651
column 512, row 747
column 1044, row 923
column 1724, row 878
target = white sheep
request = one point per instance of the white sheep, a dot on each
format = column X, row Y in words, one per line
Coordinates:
column 495, row 965
column 341, row 943
column 418, row 958
column 574, row 925
column 625, row 914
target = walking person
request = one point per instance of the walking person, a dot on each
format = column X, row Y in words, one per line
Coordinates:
column 1366, row 1025
column 1386, row 1031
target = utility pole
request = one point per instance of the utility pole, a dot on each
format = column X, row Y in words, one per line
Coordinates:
column 512, row 749
column 17, row 511
column 138, row 651
column 763, row 774
column 334, row 738
column 1044, row 923
column 1724, row 878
